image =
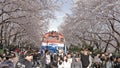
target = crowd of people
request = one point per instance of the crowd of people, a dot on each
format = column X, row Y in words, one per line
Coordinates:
column 32, row 58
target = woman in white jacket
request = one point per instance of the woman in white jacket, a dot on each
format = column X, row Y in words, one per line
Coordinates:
column 66, row 63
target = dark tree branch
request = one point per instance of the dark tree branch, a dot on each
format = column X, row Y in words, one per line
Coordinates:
column 106, row 41
column 113, row 28
column 10, row 18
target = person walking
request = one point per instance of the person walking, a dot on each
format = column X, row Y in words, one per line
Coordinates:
column 60, row 62
column 47, row 60
column 86, row 59
column 26, row 62
column 109, row 63
column 97, row 61
column 76, row 63
column 69, row 58
column 66, row 62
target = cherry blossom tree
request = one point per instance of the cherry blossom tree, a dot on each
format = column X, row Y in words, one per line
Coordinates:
column 93, row 23
column 22, row 22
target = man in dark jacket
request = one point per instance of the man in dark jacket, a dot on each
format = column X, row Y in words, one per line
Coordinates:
column 26, row 62
column 86, row 59
column 117, row 64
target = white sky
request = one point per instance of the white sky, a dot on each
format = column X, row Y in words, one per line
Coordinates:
column 54, row 23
